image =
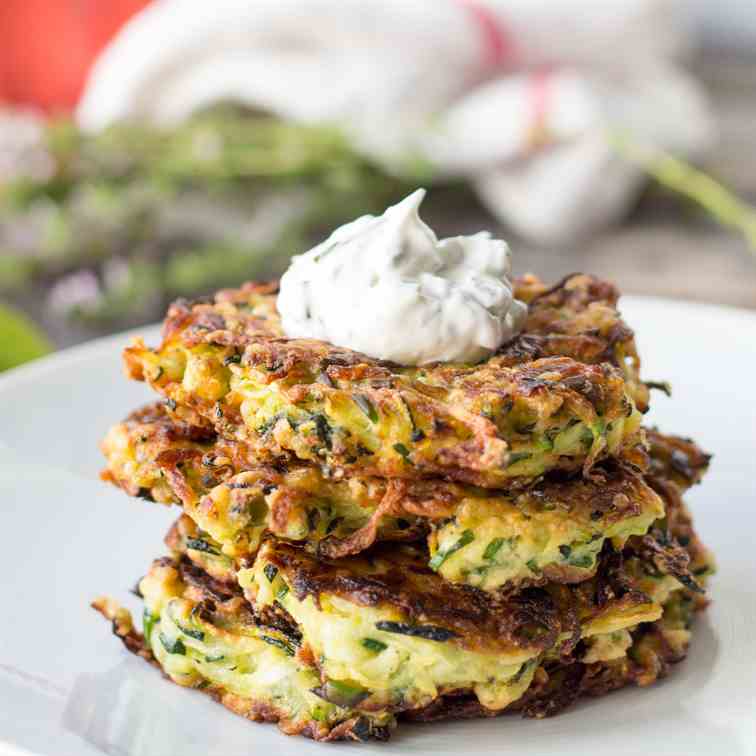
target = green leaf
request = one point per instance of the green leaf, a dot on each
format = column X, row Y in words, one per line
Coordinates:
column 200, row 544
column 441, row 556
column 191, row 632
column 374, row 645
column 403, row 451
column 20, row 339
column 149, row 620
column 173, row 646
column 515, row 457
column 366, row 406
column 493, row 548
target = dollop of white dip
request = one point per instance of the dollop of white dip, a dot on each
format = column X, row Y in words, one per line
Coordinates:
column 388, row 287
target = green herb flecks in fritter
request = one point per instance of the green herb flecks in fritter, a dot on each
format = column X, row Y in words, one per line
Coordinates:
column 396, row 634
column 577, row 318
column 554, row 531
column 237, row 496
column 227, row 366
column 489, row 539
column 204, row 636
column 639, row 655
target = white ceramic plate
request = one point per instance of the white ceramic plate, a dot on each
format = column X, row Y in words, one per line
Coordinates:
column 68, row 687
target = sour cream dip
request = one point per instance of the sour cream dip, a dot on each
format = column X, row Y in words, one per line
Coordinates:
column 388, row 287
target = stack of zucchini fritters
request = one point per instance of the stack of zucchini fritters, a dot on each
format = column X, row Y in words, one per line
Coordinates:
column 363, row 543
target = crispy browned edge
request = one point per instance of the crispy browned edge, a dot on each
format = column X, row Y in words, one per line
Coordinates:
column 547, row 334
column 358, row 728
column 531, row 617
column 556, row 685
column 612, row 492
column 676, row 464
column 595, row 380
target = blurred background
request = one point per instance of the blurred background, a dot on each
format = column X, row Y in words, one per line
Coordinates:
column 150, row 150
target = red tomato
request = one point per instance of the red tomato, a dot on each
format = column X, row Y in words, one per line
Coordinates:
column 48, row 46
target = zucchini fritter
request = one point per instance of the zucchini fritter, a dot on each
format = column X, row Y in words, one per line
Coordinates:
column 675, row 459
column 363, row 542
column 204, row 635
column 393, row 633
column 237, row 497
column 577, row 318
column 501, row 423
column 553, row 531
column 638, row 656
column 676, row 465
column 626, row 625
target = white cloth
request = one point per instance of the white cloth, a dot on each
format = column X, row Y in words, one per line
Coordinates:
column 516, row 96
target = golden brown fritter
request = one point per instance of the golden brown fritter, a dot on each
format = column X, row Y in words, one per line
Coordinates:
column 675, row 459
column 553, row 530
column 577, row 318
column 237, row 497
column 654, row 648
column 204, row 636
column 439, row 637
column 676, row 465
column 397, row 578
column 225, row 365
